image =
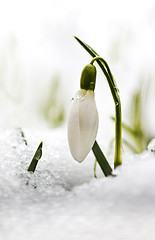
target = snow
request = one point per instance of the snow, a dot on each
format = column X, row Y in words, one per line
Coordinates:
column 62, row 199
column 151, row 145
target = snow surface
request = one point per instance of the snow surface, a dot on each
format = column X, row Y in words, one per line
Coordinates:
column 62, row 199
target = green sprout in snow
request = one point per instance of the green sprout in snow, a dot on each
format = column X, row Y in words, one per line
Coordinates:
column 36, row 158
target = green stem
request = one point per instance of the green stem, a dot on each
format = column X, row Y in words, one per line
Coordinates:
column 118, row 119
column 107, row 69
column 118, row 134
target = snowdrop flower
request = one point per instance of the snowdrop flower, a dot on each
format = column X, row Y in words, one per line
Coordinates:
column 83, row 120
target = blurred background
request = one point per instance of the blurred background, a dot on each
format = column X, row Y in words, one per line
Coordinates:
column 41, row 62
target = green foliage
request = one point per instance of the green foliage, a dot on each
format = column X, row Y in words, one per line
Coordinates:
column 101, row 159
column 53, row 109
column 137, row 129
column 22, row 135
column 36, row 158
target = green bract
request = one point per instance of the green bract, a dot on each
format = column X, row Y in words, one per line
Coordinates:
column 88, row 77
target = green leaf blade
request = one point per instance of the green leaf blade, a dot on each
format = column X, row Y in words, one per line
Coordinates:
column 101, row 159
column 36, row 158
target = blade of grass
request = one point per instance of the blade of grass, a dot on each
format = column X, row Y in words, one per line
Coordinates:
column 95, row 164
column 35, row 158
column 101, row 159
column 130, row 146
column 22, row 135
column 126, row 128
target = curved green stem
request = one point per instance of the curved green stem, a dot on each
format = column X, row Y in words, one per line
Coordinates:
column 107, row 69
column 118, row 118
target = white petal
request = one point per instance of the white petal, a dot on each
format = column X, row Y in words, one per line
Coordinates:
column 82, row 125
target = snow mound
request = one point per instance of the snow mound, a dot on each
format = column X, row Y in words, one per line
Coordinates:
column 62, row 200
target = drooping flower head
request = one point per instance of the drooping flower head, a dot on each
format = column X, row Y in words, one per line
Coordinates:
column 83, row 120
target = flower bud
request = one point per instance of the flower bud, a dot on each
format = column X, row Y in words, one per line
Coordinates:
column 82, row 124
column 88, row 77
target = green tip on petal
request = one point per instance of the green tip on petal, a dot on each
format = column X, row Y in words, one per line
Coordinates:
column 88, row 77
